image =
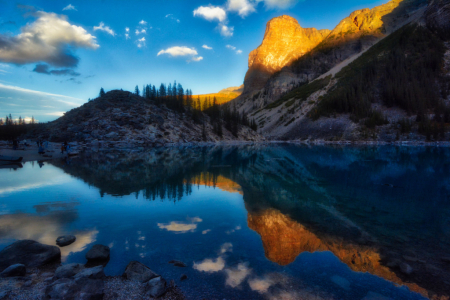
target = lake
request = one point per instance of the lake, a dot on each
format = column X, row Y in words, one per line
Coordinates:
column 250, row 222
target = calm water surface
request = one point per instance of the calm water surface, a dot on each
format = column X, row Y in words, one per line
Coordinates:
column 253, row 222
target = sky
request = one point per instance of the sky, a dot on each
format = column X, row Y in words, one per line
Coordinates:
column 56, row 54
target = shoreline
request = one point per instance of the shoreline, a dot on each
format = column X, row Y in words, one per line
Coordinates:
column 53, row 149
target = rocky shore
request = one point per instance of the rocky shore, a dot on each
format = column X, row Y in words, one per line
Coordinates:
column 30, row 270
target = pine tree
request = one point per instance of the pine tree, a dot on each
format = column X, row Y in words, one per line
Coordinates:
column 102, row 92
column 136, row 91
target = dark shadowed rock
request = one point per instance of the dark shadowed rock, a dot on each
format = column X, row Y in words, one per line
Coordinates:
column 74, row 289
column 406, row 269
column 183, row 277
column 65, row 240
column 98, row 253
column 155, row 287
column 68, row 271
column 91, row 273
column 178, row 263
column 14, row 270
column 138, row 272
column 29, row 253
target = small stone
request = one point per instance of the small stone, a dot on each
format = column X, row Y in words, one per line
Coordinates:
column 98, row 253
column 137, row 271
column 406, row 269
column 68, row 271
column 91, row 273
column 65, row 240
column 183, row 277
column 14, row 270
column 47, row 275
column 178, row 263
column 155, row 287
column 27, row 284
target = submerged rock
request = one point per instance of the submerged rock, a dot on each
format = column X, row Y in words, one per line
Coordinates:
column 406, row 269
column 65, row 240
column 14, row 270
column 178, row 263
column 137, row 271
column 29, row 253
column 91, row 273
column 98, row 253
column 183, row 277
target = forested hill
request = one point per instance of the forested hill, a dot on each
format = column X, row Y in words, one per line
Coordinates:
column 120, row 119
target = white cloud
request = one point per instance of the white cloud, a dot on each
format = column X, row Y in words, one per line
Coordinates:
column 230, row 47
column 171, row 16
column 211, row 13
column 239, row 52
column 179, row 51
column 104, row 28
column 69, row 7
column 196, row 59
column 242, row 7
column 141, row 42
column 178, row 227
column 142, row 22
column 143, row 31
column 127, row 29
column 50, row 38
column 225, row 30
column 127, row 36
column 207, row 47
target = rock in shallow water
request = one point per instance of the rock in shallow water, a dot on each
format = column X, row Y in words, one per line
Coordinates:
column 71, row 289
column 177, row 263
column 29, row 253
column 138, row 272
column 91, row 273
column 65, row 240
column 98, row 253
column 14, row 270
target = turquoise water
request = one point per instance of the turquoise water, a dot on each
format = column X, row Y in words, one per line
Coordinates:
column 251, row 222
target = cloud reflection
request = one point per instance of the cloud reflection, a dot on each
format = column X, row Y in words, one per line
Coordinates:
column 235, row 276
column 181, row 227
column 210, row 265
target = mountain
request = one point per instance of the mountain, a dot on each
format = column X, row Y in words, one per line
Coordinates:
column 284, row 42
column 121, row 119
column 382, row 74
column 223, row 96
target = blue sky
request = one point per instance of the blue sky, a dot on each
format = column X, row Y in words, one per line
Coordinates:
column 55, row 54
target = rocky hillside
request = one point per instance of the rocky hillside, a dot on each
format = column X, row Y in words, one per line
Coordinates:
column 122, row 119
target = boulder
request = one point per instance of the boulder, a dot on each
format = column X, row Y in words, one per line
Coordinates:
column 29, row 253
column 68, row 271
column 91, row 273
column 14, row 270
column 138, row 272
column 74, row 289
column 183, row 277
column 178, row 263
column 155, row 287
column 65, row 240
column 98, row 253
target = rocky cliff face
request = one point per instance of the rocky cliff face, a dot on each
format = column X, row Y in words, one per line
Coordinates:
column 293, row 56
column 438, row 17
column 284, row 42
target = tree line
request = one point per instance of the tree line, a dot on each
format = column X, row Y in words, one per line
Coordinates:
column 11, row 128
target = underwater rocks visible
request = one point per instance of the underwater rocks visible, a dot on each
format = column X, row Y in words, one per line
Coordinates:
column 138, row 272
column 98, row 253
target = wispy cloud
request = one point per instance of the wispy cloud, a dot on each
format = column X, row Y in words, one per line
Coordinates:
column 225, row 30
column 45, row 69
column 104, row 28
column 69, row 7
column 179, row 51
column 142, row 22
column 141, row 42
column 207, row 47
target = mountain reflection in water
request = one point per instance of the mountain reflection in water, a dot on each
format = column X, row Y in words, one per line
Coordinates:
column 374, row 208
